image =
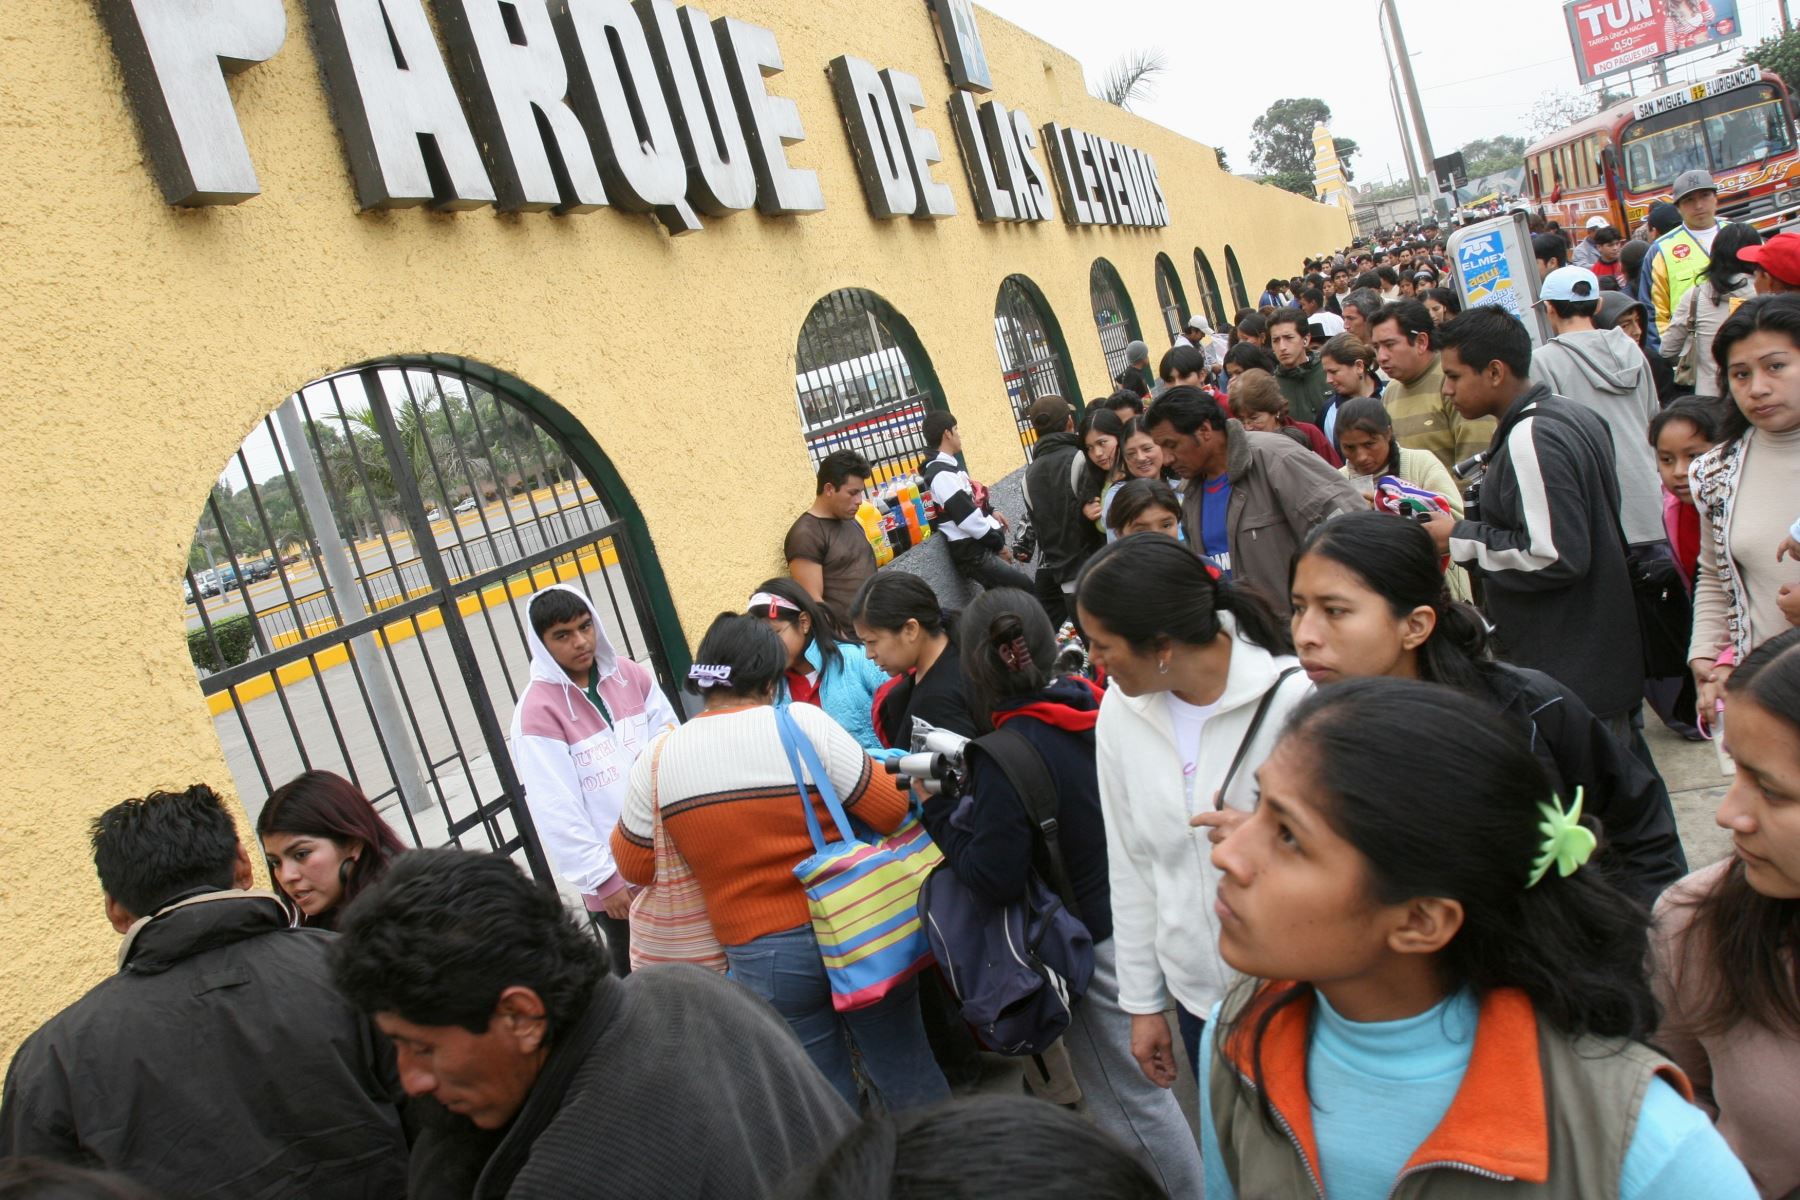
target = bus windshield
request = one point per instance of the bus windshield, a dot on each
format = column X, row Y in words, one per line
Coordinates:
column 1720, row 134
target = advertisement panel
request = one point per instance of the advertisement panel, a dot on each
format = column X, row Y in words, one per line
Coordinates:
column 1616, row 35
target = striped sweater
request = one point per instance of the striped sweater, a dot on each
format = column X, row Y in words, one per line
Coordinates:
column 730, row 806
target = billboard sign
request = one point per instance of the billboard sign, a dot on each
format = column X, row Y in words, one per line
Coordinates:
column 1610, row 36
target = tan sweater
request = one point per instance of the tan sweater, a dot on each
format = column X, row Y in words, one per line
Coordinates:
column 1768, row 497
column 1424, row 420
column 1747, row 1078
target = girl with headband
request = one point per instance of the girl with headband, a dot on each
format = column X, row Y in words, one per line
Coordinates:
column 826, row 666
column 1442, row 1001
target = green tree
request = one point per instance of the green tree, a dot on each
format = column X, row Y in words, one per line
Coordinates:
column 1219, row 153
column 1488, row 156
column 1282, row 144
column 1780, row 54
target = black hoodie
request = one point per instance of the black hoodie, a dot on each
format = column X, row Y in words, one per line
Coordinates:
column 1065, row 536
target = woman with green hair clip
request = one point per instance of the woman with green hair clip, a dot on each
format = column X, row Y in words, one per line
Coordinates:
column 1444, row 999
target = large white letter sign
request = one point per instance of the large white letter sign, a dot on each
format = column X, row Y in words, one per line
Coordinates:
column 881, row 157
column 686, row 50
column 614, row 85
column 173, row 54
column 921, row 144
column 404, row 131
column 771, row 122
column 506, row 57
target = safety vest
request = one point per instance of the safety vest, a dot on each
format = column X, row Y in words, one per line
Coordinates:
column 1684, row 261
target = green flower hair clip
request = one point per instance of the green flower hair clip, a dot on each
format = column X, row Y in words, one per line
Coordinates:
column 1567, row 842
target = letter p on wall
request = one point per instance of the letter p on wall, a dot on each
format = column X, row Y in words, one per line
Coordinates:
column 174, row 55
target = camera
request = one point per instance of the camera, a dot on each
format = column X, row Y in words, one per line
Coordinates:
column 935, row 765
column 1471, row 471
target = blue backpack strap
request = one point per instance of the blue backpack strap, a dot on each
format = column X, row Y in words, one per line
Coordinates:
column 800, row 750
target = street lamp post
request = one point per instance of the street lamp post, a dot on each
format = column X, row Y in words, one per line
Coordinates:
column 1390, row 19
column 1406, row 152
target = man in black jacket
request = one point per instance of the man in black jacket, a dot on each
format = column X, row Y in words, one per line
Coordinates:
column 555, row 1078
column 219, row 1061
column 976, row 536
column 1065, row 536
column 1547, row 544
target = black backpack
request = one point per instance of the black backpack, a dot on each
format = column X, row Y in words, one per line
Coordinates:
column 1016, row 969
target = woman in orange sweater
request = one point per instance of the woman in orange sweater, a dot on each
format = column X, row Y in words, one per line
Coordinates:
column 727, row 797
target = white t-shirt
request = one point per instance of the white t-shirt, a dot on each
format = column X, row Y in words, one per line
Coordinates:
column 1705, row 237
column 1188, row 721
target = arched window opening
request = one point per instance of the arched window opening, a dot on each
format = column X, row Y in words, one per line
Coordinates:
column 1211, row 298
column 1113, row 316
column 1171, row 297
column 864, row 383
column 358, row 586
column 1034, row 360
column 1234, row 276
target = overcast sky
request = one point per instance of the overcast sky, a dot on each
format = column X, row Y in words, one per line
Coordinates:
column 1479, row 67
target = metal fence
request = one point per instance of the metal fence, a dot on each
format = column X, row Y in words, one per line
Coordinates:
column 1210, row 297
column 1234, row 278
column 1030, row 365
column 408, row 513
column 1116, row 332
column 1170, row 297
column 857, row 388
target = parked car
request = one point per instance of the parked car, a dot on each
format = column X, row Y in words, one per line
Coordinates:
column 434, row 515
column 227, row 578
column 262, row 568
column 466, row 506
column 187, row 591
column 209, row 582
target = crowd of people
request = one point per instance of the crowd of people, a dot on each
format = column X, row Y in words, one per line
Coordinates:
column 1304, row 737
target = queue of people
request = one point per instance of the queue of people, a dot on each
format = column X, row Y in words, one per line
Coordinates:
column 1347, row 798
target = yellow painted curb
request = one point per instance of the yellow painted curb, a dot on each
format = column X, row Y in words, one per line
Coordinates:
column 259, row 686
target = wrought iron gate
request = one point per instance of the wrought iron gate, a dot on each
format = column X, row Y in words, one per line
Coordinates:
column 1210, row 297
column 1112, row 317
column 860, row 386
column 1032, row 362
column 1234, row 278
column 1170, row 296
column 359, row 583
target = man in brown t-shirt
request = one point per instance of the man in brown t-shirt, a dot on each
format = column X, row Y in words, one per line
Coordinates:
column 827, row 551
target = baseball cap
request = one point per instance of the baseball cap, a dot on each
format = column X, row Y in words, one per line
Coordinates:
column 1049, row 414
column 1779, row 256
column 1597, row 223
column 1574, row 285
column 1198, row 322
column 1689, row 182
column 1136, row 352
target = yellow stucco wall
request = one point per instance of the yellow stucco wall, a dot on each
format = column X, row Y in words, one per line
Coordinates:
column 144, row 343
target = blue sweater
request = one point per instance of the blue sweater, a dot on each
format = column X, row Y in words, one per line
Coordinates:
column 847, row 693
column 1378, row 1089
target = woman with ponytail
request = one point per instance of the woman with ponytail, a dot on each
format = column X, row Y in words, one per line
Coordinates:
column 1205, row 677
column 325, row 843
column 1008, row 654
column 1728, row 936
column 1443, row 1000
column 905, row 633
column 1369, row 599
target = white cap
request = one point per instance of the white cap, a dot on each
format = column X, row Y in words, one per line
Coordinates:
column 1326, row 322
column 1198, row 322
column 1597, row 223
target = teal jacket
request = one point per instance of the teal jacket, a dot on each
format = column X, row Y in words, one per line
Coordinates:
column 847, row 694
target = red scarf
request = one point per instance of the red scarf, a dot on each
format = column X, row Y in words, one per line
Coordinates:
column 802, row 690
column 1056, row 715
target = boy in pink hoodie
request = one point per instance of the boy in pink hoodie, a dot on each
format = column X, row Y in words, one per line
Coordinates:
column 580, row 724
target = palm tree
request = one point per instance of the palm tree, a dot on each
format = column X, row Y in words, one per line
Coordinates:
column 1133, row 77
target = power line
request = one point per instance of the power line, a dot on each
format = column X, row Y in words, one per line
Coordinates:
column 1494, row 75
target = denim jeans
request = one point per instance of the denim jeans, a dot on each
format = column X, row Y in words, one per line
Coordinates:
column 785, row 969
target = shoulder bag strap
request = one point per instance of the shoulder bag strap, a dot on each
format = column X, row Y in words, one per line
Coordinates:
column 1256, row 721
column 799, row 749
column 1030, row 777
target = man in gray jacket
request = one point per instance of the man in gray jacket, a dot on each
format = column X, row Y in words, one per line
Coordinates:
column 1250, row 497
column 1604, row 372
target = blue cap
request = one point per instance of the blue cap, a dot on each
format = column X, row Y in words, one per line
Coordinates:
column 1575, row 285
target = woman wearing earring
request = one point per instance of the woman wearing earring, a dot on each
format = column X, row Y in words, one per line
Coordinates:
column 325, row 843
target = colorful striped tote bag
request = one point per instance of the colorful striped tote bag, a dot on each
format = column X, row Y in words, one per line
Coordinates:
column 863, row 896
column 669, row 922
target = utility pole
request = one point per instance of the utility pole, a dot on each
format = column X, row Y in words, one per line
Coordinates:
column 1786, row 25
column 1406, row 145
column 1412, row 96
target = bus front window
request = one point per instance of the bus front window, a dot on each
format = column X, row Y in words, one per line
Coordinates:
column 1747, row 135
column 1654, row 159
column 1722, row 133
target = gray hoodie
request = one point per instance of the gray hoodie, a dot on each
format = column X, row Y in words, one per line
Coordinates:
column 1604, row 371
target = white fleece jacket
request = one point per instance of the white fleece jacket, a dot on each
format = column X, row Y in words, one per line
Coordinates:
column 1163, row 882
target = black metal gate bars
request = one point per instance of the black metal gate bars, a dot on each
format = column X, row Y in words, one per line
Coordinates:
column 1109, row 318
column 1170, row 297
column 857, row 388
column 359, row 580
column 1030, row 365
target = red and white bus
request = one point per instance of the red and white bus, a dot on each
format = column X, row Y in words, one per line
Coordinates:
column 1738, row 126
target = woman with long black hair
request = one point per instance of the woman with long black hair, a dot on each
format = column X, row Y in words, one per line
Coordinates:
column 906, row 633
column 1728, row 936
column 1369, row 599
column 1205, row 675
column 1443, row 1000
column 1009, row 659
column 324, row 843
column 826, row 665
column 1728, row 282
